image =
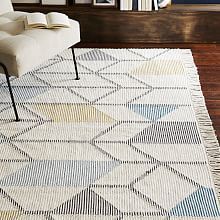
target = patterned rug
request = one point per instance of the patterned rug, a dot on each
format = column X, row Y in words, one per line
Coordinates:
column 131, row 140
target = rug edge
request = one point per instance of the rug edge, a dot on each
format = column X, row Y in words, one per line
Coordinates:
column 204, row 121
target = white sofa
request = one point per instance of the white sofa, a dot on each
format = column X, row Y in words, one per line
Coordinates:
column 22, row 50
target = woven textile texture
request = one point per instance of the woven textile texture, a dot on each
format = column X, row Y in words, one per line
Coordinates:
column 131, row 140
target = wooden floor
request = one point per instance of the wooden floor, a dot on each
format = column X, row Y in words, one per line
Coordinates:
column 207, row 59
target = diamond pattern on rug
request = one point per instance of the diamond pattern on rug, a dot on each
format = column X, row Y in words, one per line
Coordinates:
column 22, row 94
column 58, row 95
column 122, row 96
column 92, row 204
column 122, row 67
column 152, row 53
column 63, row 132
column 124, row 174
column 197, row 174
column 96, row 55
column 122, row 152
column 122, row 132
column 161, row 81
column 165, row 96
column 25, row 113
column 8, row 168
column 126, row 81
column 118, row 197
column 67, row 66
column 73, row 113
column 172, row 188
column 189, row 206
column 27, row 80
column 82, row 51
column 59, row 173
column 181, row 114
column 125, row 142
column 94, row 94
column 61, row 151
column 166, row 67
column 152, row 112
column 120, row 112
column 17, row 128
column 10, row 152
column 41, row 198
column 173, row 152
column 97, row 66
column 126, row 54
column 67, row 79
column 169, row 133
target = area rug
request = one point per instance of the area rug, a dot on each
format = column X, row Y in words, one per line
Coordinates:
column 131, row 140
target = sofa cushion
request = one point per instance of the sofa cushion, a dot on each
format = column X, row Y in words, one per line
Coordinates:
column 22, row 50
column 5, row 6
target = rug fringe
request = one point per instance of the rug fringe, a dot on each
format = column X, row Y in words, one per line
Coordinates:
column 208, row 135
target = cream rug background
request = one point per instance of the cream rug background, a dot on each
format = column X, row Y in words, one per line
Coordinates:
column 131, row 140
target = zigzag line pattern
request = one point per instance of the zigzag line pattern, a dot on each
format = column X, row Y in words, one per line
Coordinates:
column 123, row 143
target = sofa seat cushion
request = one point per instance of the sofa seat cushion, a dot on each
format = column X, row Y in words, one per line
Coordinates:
column 22, row 50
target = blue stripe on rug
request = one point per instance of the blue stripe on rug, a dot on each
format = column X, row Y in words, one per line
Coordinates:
column 152, row 112
column 201, row 203
column 59, row 173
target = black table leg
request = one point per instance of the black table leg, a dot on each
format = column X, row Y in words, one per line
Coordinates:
column 74, row 59
column 10, row 91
